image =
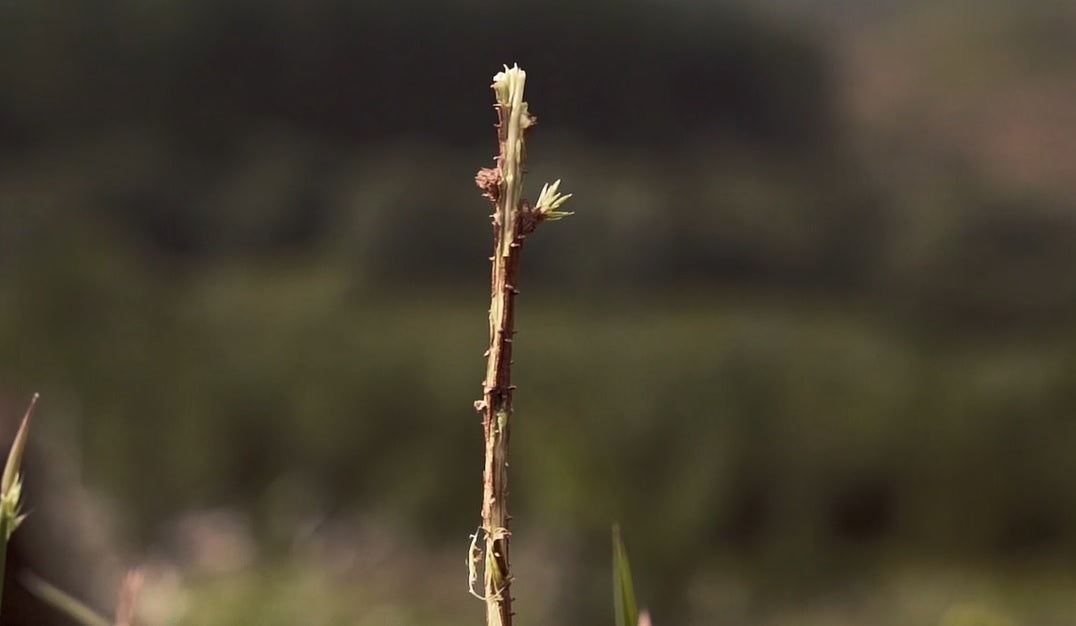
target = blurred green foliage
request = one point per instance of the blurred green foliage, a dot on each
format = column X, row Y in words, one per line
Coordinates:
column 243, row 257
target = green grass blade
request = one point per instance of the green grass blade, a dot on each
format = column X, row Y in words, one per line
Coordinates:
column 11, row 488
column 14, row 457
column 627, row 614
column 62, row 601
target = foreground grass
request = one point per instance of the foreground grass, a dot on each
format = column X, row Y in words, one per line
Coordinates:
column 295, row 592
column 701, row 393
column 289, row 593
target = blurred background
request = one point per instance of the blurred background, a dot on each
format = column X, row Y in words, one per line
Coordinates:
column 810, row 337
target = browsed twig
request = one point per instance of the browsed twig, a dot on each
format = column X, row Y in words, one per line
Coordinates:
column 513, row 220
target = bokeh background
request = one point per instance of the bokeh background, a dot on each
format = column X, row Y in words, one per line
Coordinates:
column 810, row 337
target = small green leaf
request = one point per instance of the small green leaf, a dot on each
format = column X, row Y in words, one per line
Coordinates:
column 11, row 508
column 627, row 614
column 550, row 199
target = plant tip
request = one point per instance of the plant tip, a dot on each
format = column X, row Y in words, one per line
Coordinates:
column 18, row 446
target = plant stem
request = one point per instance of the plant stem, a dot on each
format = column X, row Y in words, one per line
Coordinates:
column 496, row 403
column 513, row 220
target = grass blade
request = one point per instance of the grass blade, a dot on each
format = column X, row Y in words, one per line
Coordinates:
column 627, row 614
column 62, row 601
column 11, row 488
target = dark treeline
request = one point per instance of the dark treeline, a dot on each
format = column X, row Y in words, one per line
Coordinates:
column 181, row 90
column 355, row 73
column 157, row 118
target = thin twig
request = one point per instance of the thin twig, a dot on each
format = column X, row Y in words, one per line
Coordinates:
column 513, row 220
